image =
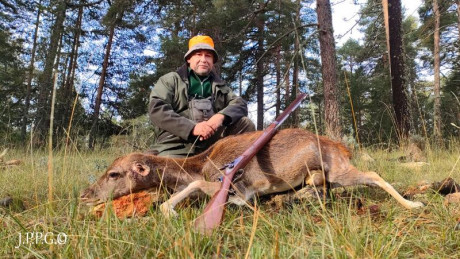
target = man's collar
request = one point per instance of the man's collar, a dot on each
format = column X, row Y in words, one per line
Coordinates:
column 183, row 73
column 191, row 72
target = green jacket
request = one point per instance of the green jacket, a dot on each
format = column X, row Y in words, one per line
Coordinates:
column 170, row 115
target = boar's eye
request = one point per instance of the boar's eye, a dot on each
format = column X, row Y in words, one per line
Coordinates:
column 114, row 175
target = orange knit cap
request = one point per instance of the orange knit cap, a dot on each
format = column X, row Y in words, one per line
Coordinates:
column 201, row 42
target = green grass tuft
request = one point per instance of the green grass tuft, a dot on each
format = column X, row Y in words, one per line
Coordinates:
column 297, row 230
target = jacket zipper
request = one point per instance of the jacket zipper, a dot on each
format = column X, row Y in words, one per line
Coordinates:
column 202, row 87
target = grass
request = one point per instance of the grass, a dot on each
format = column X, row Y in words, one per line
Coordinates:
column 297, row 230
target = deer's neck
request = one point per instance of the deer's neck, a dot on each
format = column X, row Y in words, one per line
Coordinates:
column 179, row 172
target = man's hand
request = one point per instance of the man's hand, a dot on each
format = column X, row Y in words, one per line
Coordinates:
column 216, row 121
column 203, row 130
column 206, row 129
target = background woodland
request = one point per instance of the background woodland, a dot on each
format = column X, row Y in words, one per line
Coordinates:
column 75, row 78
column 85, row 68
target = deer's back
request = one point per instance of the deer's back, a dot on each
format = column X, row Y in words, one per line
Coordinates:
column 287, row 154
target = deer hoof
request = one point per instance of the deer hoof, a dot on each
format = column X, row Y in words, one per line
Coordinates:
column 417, row 204
column 168, row 210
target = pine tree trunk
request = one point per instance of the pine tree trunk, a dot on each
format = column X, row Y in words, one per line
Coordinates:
column 29, row 78
column 458, row 23
column 97, row 105
column 69, row 90
column 437, row 82
column 287, row 85
column 295, row 75
column 328, row 60
column 278, row 81
column 240, row 86
column 397, row 67
column 46, row 78
column 260, row 23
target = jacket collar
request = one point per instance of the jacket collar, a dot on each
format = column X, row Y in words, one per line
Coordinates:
column 183, row 73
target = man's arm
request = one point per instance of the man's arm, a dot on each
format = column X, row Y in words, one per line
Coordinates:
column 235, row 108
column 161, row 112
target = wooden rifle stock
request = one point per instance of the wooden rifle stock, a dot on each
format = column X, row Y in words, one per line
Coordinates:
column 214, row 211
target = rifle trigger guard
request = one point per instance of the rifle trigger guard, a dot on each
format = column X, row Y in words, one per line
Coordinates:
column 238, row 175
column 235, row 179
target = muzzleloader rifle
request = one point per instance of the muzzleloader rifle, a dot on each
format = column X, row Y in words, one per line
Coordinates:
column 214, row 211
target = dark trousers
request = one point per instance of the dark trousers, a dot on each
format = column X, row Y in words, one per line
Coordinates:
column 241, row 126
column 195, row 146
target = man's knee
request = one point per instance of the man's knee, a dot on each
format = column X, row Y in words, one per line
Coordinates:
column 241, row 126
column 247, row 124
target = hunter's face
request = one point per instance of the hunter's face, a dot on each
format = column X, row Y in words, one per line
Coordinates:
column 201, row 61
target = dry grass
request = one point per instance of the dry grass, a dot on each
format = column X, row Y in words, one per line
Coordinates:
column 364, row 223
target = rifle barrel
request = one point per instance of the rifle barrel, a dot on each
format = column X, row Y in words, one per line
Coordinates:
column 213, row 213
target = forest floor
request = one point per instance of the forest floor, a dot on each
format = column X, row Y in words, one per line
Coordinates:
column 357, row 222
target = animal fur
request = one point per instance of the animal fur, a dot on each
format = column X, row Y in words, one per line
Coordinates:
column 283, row 164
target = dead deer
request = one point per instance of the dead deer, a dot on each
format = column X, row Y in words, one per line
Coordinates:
column 283, row 164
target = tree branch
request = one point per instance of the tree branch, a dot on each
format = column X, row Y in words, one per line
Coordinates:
column 11, row 6
column 83, row 4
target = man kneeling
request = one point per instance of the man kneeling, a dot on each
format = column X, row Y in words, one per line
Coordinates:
column 192, row 108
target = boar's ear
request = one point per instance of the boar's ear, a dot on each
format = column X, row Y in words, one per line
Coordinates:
column 141, row 168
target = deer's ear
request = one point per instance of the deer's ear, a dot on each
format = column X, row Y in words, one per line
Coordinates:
column 141, row 168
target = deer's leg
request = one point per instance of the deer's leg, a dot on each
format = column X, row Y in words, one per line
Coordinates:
column 356, row 177
column 315, row 179
column 209, row 188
